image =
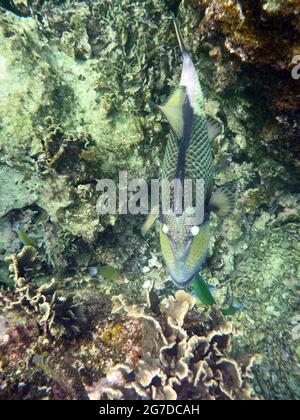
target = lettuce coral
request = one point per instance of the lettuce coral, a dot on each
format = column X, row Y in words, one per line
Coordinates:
column 185, row 356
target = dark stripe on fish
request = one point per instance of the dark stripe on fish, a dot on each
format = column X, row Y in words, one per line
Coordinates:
column 187, row 113
column 186, row 138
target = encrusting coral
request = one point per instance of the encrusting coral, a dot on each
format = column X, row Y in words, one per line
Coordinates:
column 185, row 356
column 251, row 29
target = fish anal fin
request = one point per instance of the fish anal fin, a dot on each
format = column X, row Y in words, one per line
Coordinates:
column 214, row 128
column 222, row 202
column 173, row 110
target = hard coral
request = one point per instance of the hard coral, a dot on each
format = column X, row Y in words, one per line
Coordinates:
column 54, row 312
column 185, row 356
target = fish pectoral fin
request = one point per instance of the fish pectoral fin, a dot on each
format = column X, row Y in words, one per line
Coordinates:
column 222, row 203
column 214, row 128
column 151, row 218
column 173, row 110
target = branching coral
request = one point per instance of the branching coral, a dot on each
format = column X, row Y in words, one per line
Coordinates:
column 185, row 356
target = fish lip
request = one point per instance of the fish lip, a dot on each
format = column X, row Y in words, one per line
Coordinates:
column 185, row 283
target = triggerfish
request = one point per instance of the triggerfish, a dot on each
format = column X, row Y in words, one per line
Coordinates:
column 188, row 154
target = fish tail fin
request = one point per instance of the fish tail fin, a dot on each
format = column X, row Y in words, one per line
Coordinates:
column 183, row 48
column 222, row 202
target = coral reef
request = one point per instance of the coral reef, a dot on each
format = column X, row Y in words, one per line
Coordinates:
column 185, row 356
column 255, row 253
column 17, row 344
column 255, row 46
column 63, row 374
column 45, row 346
column 155, row 350
column 61, row 152
column 260, row 32
column 54, row 313
column 75, row 81
column 68, row 118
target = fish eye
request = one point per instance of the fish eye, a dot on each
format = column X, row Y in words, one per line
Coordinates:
column 195, row 230
column 165, row 229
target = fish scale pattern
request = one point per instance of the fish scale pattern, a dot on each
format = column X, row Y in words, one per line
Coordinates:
column 199, row 160
column 170, row 159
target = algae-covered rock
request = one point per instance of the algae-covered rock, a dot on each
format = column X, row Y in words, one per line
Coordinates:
column 15, row 191
column 68, row 118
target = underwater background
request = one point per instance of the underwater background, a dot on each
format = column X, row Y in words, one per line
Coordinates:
column 87, row 310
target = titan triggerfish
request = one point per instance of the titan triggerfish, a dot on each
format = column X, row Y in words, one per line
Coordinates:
column 188, row 156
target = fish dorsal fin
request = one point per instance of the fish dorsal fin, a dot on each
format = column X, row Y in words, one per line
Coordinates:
column 173, row 110
column 214, row 128
column 222, row 202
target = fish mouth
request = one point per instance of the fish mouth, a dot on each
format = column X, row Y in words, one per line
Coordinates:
column 182, row 276
column 185, row 283
column 183, row 261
